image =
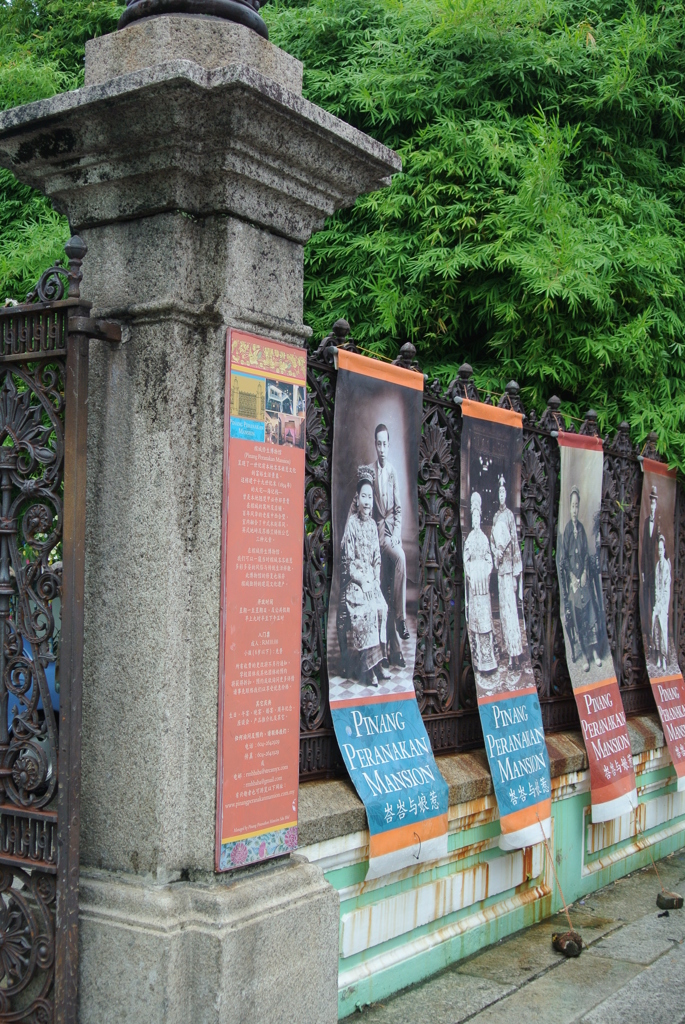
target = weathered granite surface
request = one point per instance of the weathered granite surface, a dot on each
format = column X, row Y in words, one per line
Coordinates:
column 194, row 190
column 209, row 42
column 177, row 136
column 221, row 950
column 195, row 184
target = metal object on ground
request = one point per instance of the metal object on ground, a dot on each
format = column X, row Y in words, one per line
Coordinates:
column 244, row 12
column 669, row 901
column 568, row 943
column 443, row 676
column 43, row 420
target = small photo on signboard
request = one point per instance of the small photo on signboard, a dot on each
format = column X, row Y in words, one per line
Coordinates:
column 272, row 428
column 279, row 396
column 292, row 430
column 247, row 396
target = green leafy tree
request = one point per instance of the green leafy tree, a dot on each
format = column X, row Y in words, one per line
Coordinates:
column 42, row 44
column 537, row 229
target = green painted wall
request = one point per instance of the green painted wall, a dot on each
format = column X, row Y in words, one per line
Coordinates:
column 568, row 839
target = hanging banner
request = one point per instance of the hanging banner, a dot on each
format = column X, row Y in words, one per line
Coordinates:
column 490, row 507
column 657, row 538
column 588, row 655
column 261, row 600
column 372, row 613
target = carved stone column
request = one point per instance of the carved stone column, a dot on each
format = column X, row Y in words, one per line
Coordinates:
column 195, row 172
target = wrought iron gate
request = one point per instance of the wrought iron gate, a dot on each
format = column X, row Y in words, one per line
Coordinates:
column 43, row 421
column 443, row 676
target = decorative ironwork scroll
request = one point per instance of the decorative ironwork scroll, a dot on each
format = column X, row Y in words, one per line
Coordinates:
column 43, row 416
column 443, row 674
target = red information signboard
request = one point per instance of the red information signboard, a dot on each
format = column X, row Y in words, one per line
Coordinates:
column 261, row 600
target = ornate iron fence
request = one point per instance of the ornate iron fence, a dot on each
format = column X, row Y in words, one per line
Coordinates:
column 43, row 420
column 443, row 676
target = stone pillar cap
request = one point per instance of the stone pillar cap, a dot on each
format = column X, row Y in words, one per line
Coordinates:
column 180, row 137
column 209, row 42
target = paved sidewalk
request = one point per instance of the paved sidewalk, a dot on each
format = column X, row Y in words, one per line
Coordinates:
column 632, row 973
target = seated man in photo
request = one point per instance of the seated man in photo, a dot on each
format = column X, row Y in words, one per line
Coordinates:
column 387, row 511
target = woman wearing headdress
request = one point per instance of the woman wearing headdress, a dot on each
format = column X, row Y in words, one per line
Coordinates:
column 361, row 573
column 507, row 557
column 477, row 569
column 575, row 561
column 662, row 603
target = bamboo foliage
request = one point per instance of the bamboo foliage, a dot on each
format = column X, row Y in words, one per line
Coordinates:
column 537, row 230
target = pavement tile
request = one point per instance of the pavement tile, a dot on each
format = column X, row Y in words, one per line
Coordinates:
column 656, row 995
column 563, row 994
column 632, row 897
column 525, row 955
column 522, row 980
column 644, row 940
column 519, row 958
column 447, row 999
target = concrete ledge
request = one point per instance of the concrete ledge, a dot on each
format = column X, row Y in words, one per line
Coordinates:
column 330, row 808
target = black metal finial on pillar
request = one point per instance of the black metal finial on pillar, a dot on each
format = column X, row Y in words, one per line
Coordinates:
column 244, row 12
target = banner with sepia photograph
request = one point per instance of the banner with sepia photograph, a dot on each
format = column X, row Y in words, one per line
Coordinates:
column 588, row 655
column 372, row 612
column 490, row 509
column 657, row 538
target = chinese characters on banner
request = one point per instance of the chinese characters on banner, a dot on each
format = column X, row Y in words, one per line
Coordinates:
column 491, row 453
column 590, row 664
column 261, row 600
column 373, row 610
column 657, row 536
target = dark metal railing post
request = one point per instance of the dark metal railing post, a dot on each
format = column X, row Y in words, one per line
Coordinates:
column 71, row 677
column 7, row 463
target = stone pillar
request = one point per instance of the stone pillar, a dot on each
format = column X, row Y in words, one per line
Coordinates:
column 195, row 172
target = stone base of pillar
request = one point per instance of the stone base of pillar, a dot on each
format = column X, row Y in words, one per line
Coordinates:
column 260, row 948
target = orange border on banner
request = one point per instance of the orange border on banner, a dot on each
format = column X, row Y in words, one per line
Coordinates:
column 399, row 838
column 586, row 441
column 652, row 466
column 527, row 816
column 380, row 698
column 381, row 371
column 666, row 679
column 483, row 411
column 595, row 686
column 507, row 695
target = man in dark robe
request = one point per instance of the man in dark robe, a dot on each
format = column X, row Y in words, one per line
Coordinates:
column 650, row 554
column 575, row 560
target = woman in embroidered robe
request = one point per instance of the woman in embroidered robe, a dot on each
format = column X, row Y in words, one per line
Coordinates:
column 477, row 569
column 507, row 557
column 361, row 574
column 662, row 603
